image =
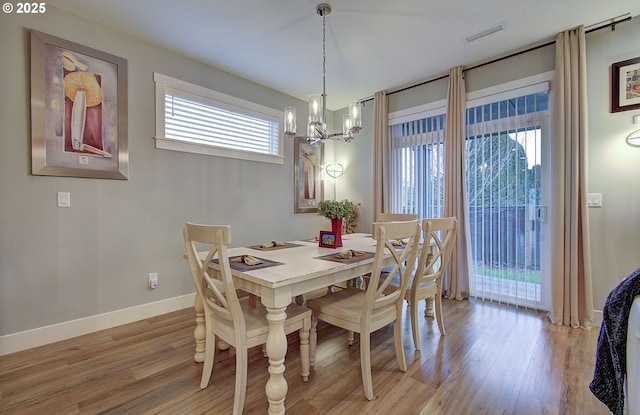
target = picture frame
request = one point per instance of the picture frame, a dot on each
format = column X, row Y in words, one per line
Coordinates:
column 308, row 189
column 79, row 110
column 327, row 239
column 625, row 85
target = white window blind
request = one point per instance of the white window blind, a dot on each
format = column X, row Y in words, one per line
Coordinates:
column 504, row 161
column 196, row 119
column 417, row 166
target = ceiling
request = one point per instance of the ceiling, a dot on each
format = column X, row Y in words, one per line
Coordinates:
column 372, row 45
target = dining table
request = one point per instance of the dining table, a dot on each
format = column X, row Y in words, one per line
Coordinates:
column 288, row 270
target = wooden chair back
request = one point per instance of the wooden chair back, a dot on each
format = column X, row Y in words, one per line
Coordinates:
column 439, row 237
column 379, row 294
column 219, row 295
column 396, row 217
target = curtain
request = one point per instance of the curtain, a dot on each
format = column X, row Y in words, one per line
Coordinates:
column 381, row 173
column 571, row 286
column 456, row 282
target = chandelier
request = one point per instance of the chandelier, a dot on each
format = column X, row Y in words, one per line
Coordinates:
column 317, row 127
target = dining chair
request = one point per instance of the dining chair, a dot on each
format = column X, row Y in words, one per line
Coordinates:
column 367, row 311
column 438, row 239
column 228, row 317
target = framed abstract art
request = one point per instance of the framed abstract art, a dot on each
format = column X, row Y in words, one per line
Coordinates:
column 78, row 110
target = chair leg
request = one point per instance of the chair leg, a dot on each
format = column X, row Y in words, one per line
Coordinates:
column 439, row 317
column 365, row 365
column 304, row 349
column 242, row 357
column 397, row 341
column 350, row 337
column 209, row 354
column 313, row 340
column 415, row 326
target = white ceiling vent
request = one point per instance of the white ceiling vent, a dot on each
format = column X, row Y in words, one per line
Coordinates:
column 497, row 28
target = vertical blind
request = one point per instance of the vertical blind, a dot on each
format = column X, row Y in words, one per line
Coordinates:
column 504, row 135
column 503, row 165
column 417, row 166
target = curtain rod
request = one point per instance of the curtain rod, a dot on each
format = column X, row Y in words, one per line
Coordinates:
column 594, row 27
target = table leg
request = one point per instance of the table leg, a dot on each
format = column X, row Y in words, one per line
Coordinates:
column 276, row 389
column 200, row 332
column 428, row 309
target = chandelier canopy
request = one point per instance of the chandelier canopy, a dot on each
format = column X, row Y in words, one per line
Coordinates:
column 317, row 127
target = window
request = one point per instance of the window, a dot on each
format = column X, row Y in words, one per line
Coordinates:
column 417, row 165
column 194, row 119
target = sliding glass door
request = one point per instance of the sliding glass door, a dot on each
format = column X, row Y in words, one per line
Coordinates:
column 504, row 182
column 505, row 136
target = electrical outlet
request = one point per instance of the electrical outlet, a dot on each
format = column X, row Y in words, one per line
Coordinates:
column 153, row 280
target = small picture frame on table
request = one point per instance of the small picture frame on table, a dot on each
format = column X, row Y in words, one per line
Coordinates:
column 327, row 239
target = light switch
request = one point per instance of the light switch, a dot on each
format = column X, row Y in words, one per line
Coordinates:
column 594, row 199
column 64, row 199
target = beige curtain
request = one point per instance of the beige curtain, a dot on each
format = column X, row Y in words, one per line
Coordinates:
column 380, row 193
column 571, row 290
column 456, row 282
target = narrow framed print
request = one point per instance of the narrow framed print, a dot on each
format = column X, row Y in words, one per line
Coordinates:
column 308, row 189
column 78, row 110
column 625, row 85
column 327, row 239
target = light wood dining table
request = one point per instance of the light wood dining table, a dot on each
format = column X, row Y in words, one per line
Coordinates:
column 300, row 267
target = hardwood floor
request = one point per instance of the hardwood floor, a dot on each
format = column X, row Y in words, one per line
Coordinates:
column 493, row 360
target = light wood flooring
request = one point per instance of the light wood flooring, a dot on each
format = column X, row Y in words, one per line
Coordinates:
column 494, row 360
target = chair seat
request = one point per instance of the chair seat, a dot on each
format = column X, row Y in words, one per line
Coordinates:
column 255, row 319
column 344, row 308
column 424, row 285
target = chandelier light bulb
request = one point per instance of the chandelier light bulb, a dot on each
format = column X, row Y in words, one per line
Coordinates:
column 315, row 104
column 290, row 121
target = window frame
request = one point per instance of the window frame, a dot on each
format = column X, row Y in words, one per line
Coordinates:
column 164, row 82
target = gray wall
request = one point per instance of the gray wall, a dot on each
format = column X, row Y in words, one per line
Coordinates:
column 614, row 167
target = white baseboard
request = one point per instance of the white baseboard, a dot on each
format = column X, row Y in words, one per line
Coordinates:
column 28, row 339
column 597, row 318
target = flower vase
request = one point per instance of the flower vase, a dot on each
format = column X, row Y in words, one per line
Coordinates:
column 336, row 228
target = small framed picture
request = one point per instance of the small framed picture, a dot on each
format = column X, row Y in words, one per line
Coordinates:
column 625, row 85
column 327, row 239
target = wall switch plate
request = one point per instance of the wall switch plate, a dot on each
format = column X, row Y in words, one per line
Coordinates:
column 594, row 199
column 153, row 280
column 64, row 199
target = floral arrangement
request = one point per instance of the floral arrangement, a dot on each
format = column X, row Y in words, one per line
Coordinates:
column 349, row 226
column 336, row 209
